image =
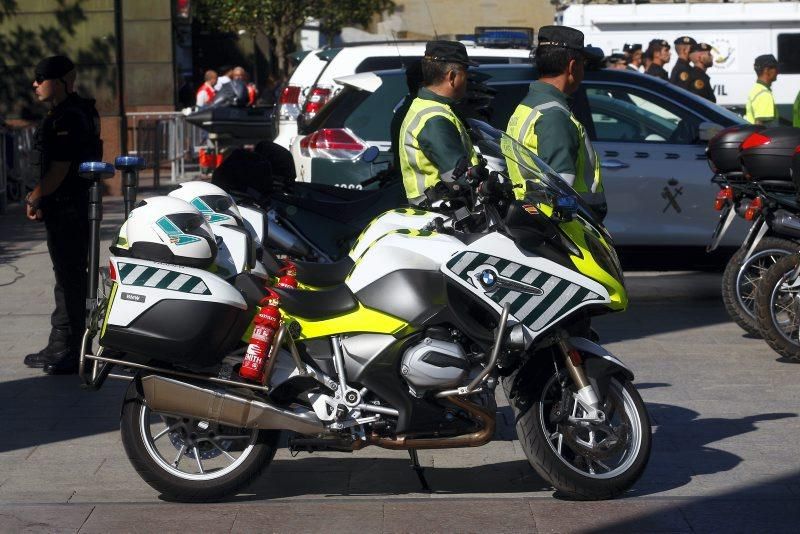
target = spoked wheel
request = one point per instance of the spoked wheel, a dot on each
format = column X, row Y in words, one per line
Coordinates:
column 586, row 460
column 778, row 307
column 741, row 277
column 189, row 459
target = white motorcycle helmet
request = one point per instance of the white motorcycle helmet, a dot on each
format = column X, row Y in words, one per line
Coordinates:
column 167, row 230
column 214, row 203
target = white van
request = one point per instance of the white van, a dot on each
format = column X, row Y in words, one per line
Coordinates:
column 738, row 33
column 313, row 83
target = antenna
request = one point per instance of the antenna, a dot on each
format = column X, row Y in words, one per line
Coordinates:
column 397, row 46
column 430, row 16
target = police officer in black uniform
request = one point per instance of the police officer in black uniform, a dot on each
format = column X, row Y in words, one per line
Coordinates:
column 681, row 71
column 699, row 82
column 68, row 135
column 659, row 51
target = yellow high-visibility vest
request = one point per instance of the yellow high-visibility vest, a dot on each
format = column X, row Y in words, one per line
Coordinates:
column 419, row 172
column 587, row 180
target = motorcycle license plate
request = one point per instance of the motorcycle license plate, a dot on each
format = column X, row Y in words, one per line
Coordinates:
column 725, row 219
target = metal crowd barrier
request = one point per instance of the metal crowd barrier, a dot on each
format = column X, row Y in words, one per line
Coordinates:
column 164, row 139
column 18, row 171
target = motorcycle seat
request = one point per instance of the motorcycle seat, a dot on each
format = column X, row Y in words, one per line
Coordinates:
column 321, row 304
column 349, row 210
column 323, row 274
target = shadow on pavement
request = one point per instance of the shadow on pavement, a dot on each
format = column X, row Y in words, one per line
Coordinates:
column 364, row 476
column 769, row 506
column 681, row 448
column 49, row 409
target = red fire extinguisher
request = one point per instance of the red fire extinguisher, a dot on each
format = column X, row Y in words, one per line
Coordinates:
column 288, row 276
column 266, row 323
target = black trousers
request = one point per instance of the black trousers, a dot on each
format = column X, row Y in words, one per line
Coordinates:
column 67, row 225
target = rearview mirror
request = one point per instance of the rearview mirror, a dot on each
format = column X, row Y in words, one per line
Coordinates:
column 707, row 130
column 370, row 154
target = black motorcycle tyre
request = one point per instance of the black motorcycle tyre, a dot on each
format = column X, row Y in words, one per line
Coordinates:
column 567, row 482
column 764, row 297
column 733, row 305
column 173, row 488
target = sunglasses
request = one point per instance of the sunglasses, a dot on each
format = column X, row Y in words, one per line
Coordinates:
column 40, row 78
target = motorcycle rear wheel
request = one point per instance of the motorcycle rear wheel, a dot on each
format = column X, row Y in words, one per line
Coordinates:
column 554, row 458
column 740, row 278
column 192, row 460
column 778, row 309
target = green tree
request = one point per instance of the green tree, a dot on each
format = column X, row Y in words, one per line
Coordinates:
column 279, row 20
column 336, row 14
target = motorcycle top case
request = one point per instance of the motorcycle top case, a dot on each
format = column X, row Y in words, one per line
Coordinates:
column 169, row 313
column 771, row 158
column 723, row 148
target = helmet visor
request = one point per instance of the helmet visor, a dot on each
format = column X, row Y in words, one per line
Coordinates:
column 223, row 209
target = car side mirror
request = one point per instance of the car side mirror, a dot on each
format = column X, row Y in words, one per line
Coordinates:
column 707, row 130
column 370, row 154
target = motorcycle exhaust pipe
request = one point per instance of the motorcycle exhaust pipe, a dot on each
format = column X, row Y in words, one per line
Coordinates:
column 179, row 398
column 281, row 238
column 785, row 223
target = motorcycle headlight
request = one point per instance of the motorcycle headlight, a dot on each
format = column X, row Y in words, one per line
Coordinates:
column 605, row 257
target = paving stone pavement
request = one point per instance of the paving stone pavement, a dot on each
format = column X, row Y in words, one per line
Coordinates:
column 723, row 406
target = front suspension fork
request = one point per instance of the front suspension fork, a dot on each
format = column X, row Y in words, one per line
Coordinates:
column 586, row 394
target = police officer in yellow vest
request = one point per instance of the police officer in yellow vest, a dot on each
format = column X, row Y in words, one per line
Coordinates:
column 544, row 123
column 760, row 106
column 433, row 141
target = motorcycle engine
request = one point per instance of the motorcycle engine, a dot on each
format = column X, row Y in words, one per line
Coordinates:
column 434, row 364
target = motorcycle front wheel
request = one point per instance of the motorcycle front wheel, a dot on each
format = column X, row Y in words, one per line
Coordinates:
column 192, row 460
column 585, row 462
column 778, row 308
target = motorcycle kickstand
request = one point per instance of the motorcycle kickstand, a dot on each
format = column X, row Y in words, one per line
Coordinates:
column 419, row 470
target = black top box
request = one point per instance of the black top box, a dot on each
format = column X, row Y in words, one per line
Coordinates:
column 767, row 155
column 723, row 148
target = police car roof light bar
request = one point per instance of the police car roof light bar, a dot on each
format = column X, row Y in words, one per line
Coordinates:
column 504, row 36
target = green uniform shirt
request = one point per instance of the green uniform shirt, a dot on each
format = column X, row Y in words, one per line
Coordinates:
column 760, row 106
column 558, row 140
column 544, row 123
column 439, row 141
column 796, row 111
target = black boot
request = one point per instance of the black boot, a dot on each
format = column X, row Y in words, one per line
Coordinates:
column 57, row 347
column 66, row 364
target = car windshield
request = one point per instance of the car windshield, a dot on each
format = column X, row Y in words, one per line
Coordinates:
column 496, row 146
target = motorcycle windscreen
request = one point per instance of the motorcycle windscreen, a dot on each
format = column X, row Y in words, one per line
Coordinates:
column 522, row 165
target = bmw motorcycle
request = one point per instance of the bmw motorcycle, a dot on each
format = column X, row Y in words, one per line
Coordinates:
column 751, row 166
column 406, row 354
column 777, row 299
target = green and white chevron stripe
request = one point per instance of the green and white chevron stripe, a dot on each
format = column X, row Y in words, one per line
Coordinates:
column 140, row 275
column 534, row 311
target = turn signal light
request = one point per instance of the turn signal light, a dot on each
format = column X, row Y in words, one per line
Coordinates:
column 724, row 196
column 754, row 209
column 754, row 140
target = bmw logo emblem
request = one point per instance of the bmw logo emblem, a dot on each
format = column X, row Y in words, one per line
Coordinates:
column 488, row 278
